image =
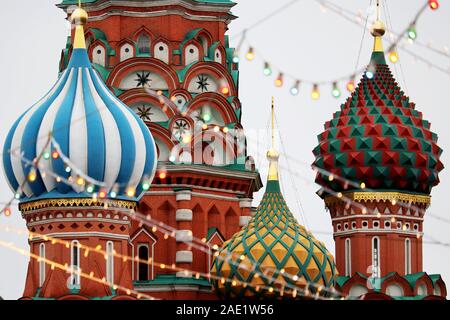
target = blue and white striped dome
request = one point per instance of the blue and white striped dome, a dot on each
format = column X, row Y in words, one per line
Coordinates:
column 99, row 134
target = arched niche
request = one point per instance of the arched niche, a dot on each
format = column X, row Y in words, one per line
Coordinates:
column 161, row 51
column 209, row 77
column 127, row 51
column 98, row 53
column 125, row 75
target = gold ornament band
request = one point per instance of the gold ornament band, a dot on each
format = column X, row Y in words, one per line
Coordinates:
column 76, row 202
column 379, row 196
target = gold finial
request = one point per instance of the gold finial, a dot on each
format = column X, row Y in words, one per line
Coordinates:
column 272, row 154
column 378, row 30
column 79, row 18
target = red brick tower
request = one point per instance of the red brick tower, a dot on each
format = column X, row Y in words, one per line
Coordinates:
column 171, row 63
column 79, row 161
column 377, row 161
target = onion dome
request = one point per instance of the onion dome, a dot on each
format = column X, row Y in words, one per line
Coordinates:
column 98, row 137
column 272, row 244
column 378, row 137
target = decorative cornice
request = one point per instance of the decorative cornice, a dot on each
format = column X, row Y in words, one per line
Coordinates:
column 76, row 202
column 379, row 197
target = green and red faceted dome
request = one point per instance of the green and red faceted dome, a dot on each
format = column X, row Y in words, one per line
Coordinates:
column 378, row 138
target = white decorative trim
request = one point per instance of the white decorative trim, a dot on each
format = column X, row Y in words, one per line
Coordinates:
column 369, row 216
column 133, row 262
column 171, row 288
column 184, row 256
column 244, row 220
column 33, row 224
column 245, row 203
column 61, row 210
column 82, row 234
column 187, row 4
column 184, row 195
column 184, row 274
column 184, row 215
column 373, row 231
column 196, row 194
column 183, row 236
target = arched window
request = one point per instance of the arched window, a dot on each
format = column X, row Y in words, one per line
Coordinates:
column 144, row 43
column 126, row 52
column 348, row 258
column 422, row 290
column 376, row 256
column 394, row 290
column 191, row 54
column 437, row 290
column 75, row 264
column 218, row 56
column 407, row 256
column 161, row 52
column 99, row 55
column 41, row 264
column 110, row 262
column 205, row 44
column 143, row 267
column 357, row 290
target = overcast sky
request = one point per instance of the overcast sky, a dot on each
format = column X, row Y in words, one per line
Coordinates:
column 305, row 41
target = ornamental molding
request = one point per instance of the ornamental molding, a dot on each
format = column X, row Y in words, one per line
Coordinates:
column 76, row 203
column 184, row 215
column 376, row 217
column 184, row 256
column 188, row 4
column 72, row 235
column 379, row 197
column 414, row 234
column 244, row 220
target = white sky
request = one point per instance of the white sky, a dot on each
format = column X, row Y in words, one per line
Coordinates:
column 302, row 40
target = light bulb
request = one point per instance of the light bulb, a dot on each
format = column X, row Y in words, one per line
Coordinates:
column 351, row 85
column 267, row 70
column 434, row 4
column 162, row 175
column 250, row 54
column 32, row 175
column 7, row 212
column 336, row 92
column 279, row 80
column 146, row 185
column 206, row 117
column 315, row 94
column 225, row 90
column 393, row 56
column 295, row 88
column 412, row 32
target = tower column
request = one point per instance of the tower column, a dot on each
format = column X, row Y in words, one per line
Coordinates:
column 246, row 215
column 184, row 217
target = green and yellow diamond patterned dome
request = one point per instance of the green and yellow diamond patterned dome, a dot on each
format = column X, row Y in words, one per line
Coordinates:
column 273, row 253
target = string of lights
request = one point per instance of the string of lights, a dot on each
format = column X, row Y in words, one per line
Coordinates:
column 69, row 269
column 357, row 17
column 151, row 262
column 269, row 68
column 327, row 190
column 170, row 231
column 400, row 40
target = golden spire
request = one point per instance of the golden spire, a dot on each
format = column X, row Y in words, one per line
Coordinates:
column 272, row 154
column 79, row 18
column 378, row 31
